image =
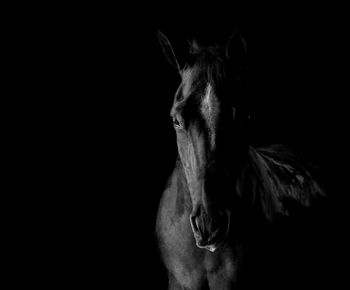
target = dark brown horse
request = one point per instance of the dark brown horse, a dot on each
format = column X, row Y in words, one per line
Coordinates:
column 217, row 173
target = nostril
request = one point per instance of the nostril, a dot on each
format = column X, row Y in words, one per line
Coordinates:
column 194, row 223
column 213, row 235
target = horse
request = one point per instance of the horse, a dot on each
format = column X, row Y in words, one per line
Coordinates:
column 218, row 175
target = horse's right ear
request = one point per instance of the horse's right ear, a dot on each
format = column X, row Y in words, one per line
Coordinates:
column 168, row 50
column 236, row 49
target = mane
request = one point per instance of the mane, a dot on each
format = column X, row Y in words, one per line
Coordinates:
column 209, row 60
column 274, row 176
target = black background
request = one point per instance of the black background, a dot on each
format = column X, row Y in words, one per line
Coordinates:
column 108, row 145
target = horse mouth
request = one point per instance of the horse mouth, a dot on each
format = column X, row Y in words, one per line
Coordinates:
column 216, row 239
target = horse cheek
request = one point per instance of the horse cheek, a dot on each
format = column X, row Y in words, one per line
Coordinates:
column 186, row 152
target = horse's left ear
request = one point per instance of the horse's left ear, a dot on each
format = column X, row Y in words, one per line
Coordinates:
column 236, row 49
column 168, row 50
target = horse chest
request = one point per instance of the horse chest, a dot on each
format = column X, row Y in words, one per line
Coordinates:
column 182, row 258
column 190, row 265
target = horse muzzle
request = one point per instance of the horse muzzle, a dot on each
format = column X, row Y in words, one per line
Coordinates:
column 210, row 232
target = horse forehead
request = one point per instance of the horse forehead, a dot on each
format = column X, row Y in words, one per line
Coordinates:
column 208, row 100
column 190, row 81
column 210, row 110
column 193, row 82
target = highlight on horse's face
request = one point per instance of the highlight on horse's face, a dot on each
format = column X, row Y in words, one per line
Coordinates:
column 198, row 113
column 196, row 116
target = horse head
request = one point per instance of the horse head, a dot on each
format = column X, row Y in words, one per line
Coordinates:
column 208, row 120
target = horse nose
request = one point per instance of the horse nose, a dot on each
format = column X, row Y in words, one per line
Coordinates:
column 209, row 229
column 203, row 228
column 194, row 223
column 196, row 228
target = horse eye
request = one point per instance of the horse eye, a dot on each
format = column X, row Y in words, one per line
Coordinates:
column 176, row 122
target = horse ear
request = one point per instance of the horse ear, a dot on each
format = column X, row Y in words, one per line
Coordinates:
column 236, row 49
column 168, row 50
column 193, row 46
